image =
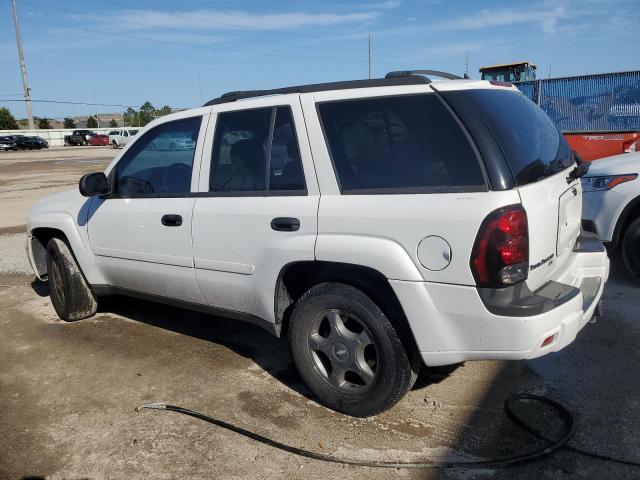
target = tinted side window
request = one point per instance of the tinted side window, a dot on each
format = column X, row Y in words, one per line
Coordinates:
column 401, row 144
column 532, row 145
column 285, row 165
column 161, row 161
column 240, row 151
column 247, row 159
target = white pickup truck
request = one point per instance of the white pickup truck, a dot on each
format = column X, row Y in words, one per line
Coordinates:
column 119, row 138
column 379, row 224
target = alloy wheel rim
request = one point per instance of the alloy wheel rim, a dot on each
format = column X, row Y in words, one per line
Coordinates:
column 343, row 351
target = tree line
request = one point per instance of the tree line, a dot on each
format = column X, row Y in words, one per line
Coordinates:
column 132, row 118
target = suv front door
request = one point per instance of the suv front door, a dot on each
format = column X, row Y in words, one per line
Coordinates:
column 257, row 207
column 141, row 232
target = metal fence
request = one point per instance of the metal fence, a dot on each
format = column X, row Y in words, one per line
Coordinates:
column 603, row 102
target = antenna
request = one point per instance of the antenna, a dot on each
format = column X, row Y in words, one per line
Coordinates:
column 369, row 56
column 466, row 64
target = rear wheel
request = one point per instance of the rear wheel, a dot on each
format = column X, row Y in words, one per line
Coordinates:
column 114, row 144
column 631, row 249
column 71, row 296
column 348, row 352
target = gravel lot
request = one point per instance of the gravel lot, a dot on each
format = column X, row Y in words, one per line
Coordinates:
column 68, row 390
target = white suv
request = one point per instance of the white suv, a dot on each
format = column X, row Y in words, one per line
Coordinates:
column 378, row 223
column 612, row 206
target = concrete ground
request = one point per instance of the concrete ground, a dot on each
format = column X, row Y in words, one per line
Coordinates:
column 68, row 390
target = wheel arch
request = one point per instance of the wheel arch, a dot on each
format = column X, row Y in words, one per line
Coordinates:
column 629, row 213
column 39, row 239
column 295, row 278
column 61, row 225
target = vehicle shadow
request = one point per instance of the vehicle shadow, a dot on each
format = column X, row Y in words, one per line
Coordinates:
column 250, row 341
column 270, row 353
column 590, row 377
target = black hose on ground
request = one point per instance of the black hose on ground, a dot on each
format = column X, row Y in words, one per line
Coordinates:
column 553, row 445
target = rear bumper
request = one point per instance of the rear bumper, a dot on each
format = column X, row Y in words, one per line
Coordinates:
column 452, row 324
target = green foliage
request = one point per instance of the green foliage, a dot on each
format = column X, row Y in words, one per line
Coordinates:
column 166, row 110
column 113, row 123
column 92, row 122
column 69, row 122
column 43, row 123
column 7, row 121
column 147, row 113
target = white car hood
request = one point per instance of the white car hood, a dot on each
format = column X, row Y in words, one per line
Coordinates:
column 616, row 165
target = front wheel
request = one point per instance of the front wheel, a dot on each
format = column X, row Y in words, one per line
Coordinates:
column 631, row 249
column 348, row 352
column 71, row 296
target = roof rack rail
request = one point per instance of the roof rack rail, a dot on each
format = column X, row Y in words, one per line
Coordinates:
column 321, row 87
column 434, row 73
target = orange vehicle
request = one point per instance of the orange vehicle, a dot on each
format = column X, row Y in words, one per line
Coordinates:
column 594, row 145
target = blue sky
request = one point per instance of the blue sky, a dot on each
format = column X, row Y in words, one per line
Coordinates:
column 127, row 51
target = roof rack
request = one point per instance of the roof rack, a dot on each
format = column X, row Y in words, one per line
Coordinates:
column 321, row 87
column 433, row 73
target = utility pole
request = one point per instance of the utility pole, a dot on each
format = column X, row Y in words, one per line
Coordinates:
column 96, row 105
column 23, row 68
column 200, row 88
column 369, row 56
column 466, row 64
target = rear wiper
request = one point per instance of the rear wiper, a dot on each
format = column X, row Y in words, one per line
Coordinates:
column 580, row 171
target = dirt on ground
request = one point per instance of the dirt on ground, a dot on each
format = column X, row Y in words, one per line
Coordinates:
column 68, row 391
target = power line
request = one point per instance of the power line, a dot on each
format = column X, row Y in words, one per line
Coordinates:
column 67, row 102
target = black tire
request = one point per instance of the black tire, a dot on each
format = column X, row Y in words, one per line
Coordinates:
column 114, row 144
column 355, row 392
column 631, row 249
column 71, row 296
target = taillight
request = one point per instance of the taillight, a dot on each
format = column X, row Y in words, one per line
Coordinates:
column 631, row 146
column 500, row 255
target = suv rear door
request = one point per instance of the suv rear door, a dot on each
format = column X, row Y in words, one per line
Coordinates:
column 258, row 203
column 539, row 161
column 405, row 177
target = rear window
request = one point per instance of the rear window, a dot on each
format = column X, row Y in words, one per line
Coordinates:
column 532, row 145
column 401, row 144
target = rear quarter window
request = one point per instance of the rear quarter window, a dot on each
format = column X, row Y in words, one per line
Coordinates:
column 401, row 144
column 532, row 145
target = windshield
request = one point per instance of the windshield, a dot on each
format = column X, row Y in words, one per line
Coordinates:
column 132, row 132
column 532, row 145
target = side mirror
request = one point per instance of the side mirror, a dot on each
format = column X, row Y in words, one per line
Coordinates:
column 94, row 184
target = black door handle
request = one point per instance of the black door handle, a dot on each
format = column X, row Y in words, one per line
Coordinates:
column 171, row 220
column 285, row 224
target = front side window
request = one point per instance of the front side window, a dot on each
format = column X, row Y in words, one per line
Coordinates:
column 161, row 161
column 256, row 151
column 401, row 144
